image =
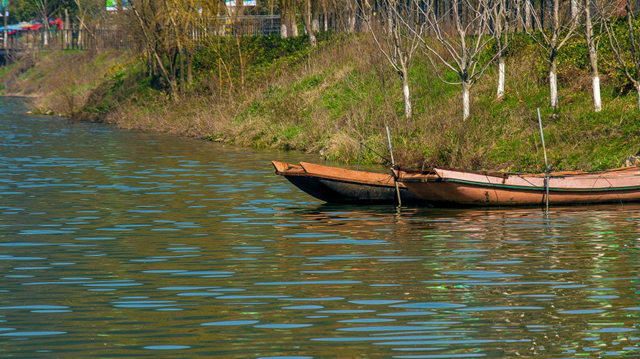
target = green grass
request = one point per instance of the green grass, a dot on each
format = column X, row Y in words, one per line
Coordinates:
column 500, row 134
column 327, row 101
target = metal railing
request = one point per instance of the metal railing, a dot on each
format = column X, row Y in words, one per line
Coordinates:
column 67, row 39
column 248, row 25
column 97, row 39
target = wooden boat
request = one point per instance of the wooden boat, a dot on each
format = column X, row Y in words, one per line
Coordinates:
column 338, row 185
column 454, row 187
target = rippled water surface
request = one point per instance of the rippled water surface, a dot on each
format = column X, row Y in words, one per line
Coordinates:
column 120, row 244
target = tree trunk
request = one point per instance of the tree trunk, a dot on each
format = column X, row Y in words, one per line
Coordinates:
column 574, row 10
column 182, row 81
column 593, row 57
column 307, row 18
column 518, row 23
column 189, row 68
column 66, row 28
column 241, row 61
column 527, row 14
column 408, row 112
column 294, row 25
column 638, row 90
column 313, row 42
column 501, row 75
column 45, row 35
column 80, row 34
column 351, row 17
column 325, row 15
column 597, row 102
column 150, row 66
column 465, row 99
column 542, row 13
column 553, row 82
column 283, row 31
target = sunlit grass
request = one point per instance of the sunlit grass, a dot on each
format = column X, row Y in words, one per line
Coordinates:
column 328, row 100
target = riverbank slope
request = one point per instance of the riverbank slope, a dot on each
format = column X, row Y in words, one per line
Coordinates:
column 330, row 99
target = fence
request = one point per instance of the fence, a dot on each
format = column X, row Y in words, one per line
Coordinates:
column 67, row 39
column 248, row 25
column 95, row 39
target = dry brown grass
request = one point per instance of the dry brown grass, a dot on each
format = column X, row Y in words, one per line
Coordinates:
column 345, row 93
column 59, row 82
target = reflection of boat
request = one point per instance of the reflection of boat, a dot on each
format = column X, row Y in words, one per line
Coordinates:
column 454, row 187
column 338, row 185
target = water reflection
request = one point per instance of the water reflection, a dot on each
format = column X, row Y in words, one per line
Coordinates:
column 132, row 244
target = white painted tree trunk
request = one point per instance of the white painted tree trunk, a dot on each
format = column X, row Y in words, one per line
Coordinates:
column 313, row 42
column 352, row 23
column 408, row 112
column 553, row 84
column 66, row 28
column 501, row 76
column 315, row 25
column 597, row 103
column 593, row 56
column 294, row 28
column 283, row 31
column 465, row 100
column 310, row 25
column 638, row 90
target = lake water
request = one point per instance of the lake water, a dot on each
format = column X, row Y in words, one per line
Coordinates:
column 122, row 244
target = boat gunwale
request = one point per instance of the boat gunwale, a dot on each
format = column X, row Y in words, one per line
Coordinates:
column 387, row 179
column 301, row 171
column 560, row 174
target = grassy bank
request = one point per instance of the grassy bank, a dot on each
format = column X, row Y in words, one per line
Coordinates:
column 330, row 99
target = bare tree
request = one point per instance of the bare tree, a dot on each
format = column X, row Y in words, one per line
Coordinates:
column 629, row 60
column 44, row 11
column 500, row 16
column 593, row 43
column 325, row 20
column 307, row 18
column 552, row 41
column 574, row 10
column 86, row 11
column 284, row 9
column 527, row 13
column 151, row 20
column 396, row 31
column 351, row 11
column 462, row 46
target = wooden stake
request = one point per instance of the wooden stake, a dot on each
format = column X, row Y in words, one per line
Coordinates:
column 546, row 163
column 393, row 163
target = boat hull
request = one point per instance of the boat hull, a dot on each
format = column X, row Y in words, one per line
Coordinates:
column 483, row 189
column 337, row 185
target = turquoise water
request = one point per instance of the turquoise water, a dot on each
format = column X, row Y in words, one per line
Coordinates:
column 122, row 244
